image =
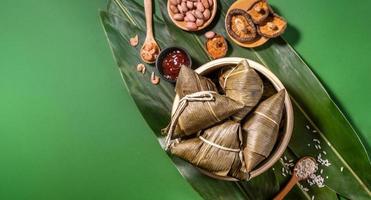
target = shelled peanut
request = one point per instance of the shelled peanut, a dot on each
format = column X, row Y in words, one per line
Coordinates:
column 194, row 12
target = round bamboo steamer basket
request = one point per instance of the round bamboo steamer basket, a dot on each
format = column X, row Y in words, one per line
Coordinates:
column 288, row 117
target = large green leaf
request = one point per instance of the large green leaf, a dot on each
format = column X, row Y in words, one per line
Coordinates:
column 313, row 107
column 157, row 111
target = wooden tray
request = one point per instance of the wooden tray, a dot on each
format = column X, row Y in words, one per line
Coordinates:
column 245, row 5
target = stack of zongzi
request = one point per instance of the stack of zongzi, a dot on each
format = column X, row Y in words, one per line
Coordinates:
column 223, row 146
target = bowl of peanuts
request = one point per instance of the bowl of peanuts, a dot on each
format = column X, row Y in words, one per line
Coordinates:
column 192, row 15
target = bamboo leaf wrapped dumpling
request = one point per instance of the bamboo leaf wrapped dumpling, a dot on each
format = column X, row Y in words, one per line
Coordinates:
column 189, row 82
column 217, row 150
column 242, row 84
column 261, row 130
column 198, row 115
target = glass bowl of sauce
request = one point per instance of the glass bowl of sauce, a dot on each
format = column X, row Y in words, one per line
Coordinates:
column 169, row 62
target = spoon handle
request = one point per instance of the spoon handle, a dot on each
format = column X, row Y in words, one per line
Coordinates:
column 294, row 179
column 148, row 12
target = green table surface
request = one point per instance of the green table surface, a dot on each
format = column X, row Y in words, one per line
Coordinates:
column 70, row 130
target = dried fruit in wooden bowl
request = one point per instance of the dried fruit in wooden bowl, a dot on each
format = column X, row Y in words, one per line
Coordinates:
column 240, row 26
column 272, row 27
column 259, row 11
column 217, row 47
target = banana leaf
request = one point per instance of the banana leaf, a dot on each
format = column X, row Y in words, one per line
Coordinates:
column 316, row 115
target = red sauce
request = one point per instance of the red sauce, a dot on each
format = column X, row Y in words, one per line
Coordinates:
column 172, row 62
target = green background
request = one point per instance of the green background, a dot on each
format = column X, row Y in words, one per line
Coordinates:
column 69, row 129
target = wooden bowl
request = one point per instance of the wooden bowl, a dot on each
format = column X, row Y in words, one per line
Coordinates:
column 182, row 24
column 245, row 5
column 287, row 119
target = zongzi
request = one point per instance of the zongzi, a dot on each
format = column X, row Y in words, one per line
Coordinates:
column 216, row 150
column 199, row 114
column 190, row 82
column 261, row 130
column 241, row 83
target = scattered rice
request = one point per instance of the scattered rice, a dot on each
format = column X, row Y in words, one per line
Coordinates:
column 324, row 152
column 322, row 161
column 307, row 126
column 316, row 140
column 316, row 179
column 303, row 188
column 341, row 169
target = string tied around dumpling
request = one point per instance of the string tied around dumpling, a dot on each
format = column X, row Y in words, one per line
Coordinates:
column 239, row 150
column 202, row 96
column 219, row 146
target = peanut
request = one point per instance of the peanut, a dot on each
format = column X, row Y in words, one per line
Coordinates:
column 191, row 26
column 189, row 5
column 205, row 3
column 173, row 2
column 190, row 17
column 179, row 17
column 199, row 22
column 174, row 9
column 198, row 14
column 207, row 14
column 200, row 7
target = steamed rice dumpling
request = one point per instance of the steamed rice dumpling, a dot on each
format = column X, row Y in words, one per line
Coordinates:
column 261, row 130
column 190, row 82
column 216, row 150
column 242, row 84
column 198, row 115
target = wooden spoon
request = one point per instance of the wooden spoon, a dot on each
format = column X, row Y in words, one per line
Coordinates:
column 295, row 178
column 149, row 37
